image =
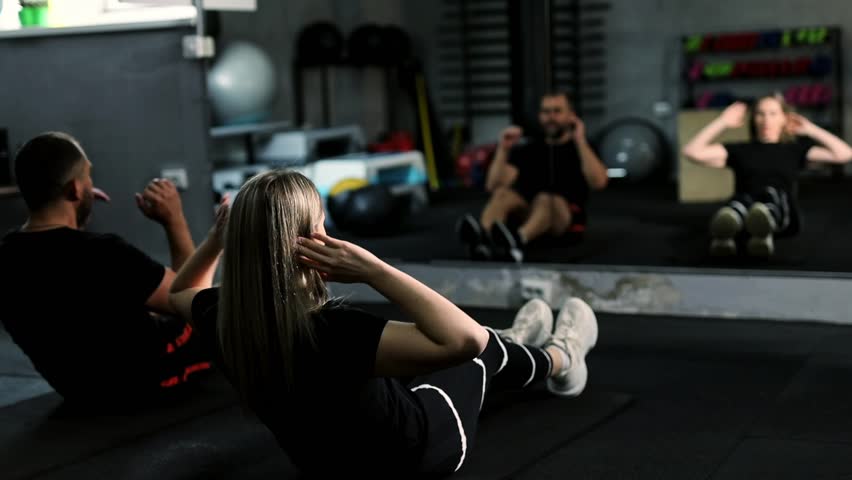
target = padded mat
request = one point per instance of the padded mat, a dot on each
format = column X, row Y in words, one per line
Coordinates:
column 516, row 430
column 519, row 428
column 817, row 404
column 787, row 460
column 225, row 444
column 42, row 433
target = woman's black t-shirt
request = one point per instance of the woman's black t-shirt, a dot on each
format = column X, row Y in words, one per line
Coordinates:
column 340, row 415
column 759, row 165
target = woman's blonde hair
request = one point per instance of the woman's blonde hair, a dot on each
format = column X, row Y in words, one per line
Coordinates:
column 267, row 298
column 786, row 134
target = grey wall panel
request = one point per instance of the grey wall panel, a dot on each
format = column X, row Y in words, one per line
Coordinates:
column 135, row 104
column 357, row 96
column 679, row 292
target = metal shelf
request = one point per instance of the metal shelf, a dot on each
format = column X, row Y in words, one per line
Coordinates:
column 249, row 129
column 247, row 132
column 8, row 191
column 832, row 47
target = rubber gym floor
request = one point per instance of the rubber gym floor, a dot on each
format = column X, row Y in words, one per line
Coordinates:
column 668, row 398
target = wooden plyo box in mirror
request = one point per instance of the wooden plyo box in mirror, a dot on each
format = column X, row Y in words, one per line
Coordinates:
column 697, row 183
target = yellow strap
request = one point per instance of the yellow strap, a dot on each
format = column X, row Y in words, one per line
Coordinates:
column 434, row 184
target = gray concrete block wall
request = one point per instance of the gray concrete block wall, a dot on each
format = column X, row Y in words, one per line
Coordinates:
column 423, row 19
column 357, row 96
column 629, row 291
column 135, row 104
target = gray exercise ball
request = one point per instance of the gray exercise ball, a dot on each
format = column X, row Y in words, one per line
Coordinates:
column 241, row 85
column 631, row 150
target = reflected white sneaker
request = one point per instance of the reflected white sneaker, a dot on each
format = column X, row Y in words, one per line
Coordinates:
column 576, row 333
column 760, row 225
column 532, row 326
column 724, row 227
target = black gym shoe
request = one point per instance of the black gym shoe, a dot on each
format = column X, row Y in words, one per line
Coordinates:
column 504, row 236
column 469, row 231
column 480, row 252
column 516, row 255
column 508, row 241
column 471, row 234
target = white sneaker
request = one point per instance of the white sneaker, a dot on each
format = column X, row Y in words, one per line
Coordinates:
column 532, row 326
column 761, row 246
column 724, row 227
column 723, row 247
column 576, row 333
column 760, row 225
column 759, row 221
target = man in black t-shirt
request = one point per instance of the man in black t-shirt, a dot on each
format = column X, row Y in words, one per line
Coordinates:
column 766, row 170
column 544, row 184
column 86, row 307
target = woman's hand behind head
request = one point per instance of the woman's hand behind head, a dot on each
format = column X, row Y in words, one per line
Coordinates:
column 735, row 115
column 217, row 231
column 338, row 260
column 798, row 125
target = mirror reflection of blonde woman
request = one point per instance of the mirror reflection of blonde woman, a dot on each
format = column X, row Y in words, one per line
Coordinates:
column 338, row 385
column 766, row 170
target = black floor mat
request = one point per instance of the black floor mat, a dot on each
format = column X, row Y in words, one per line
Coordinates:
column 688, row 415
column 224, row 444
column 711, row 398
column 787, row 460
column 230, row 444
column 699, row 388
column 42, row 433
column 520, row 428
column 817, row 405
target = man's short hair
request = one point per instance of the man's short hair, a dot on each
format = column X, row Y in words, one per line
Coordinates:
column 43, row 166
column 559, row 93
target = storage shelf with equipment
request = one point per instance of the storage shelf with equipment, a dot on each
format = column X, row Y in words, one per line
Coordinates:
column 805, row 65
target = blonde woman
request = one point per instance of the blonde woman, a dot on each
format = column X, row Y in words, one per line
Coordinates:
column 766, row 170
column 338, row 386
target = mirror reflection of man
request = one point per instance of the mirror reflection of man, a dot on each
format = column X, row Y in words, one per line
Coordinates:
column 541, row 184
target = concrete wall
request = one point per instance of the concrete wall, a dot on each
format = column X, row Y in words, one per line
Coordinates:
column 423, row 20
column 812, row 297
column 357, row 95
column 135, row 104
